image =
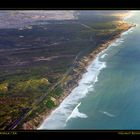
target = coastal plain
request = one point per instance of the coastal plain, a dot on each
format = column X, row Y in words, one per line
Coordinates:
column 42, row 62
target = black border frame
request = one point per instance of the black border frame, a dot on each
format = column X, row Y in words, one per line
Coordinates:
column 70, row 5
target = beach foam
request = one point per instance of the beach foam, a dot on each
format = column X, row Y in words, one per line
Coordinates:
column 107, row 113
column 128, row 31
column 103, row 56
column 75, row 113
column 116, row 43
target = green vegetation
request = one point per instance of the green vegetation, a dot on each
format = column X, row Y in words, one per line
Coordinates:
column 50, row 104
column 57, row 91
column 31, row 86
column 3, row 88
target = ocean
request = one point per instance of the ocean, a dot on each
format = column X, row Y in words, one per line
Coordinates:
column 108, row 95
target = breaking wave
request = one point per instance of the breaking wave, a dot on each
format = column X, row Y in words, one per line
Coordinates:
column 75, row 113
column 103, row 56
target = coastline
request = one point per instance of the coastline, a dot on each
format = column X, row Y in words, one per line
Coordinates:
column 84, row 63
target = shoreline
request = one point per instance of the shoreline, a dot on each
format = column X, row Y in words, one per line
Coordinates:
column 84, row 63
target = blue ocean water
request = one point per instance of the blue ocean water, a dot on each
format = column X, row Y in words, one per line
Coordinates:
column 108, row 96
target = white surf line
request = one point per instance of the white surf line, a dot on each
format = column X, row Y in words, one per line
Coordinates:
column 107, row 113
column 103, row 56
column 75, row 113
column 117, row 42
